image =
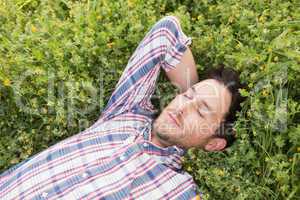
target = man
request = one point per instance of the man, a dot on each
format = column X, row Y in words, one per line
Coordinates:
column 127, row 154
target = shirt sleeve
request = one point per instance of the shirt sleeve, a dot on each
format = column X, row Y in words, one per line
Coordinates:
column 162, row 47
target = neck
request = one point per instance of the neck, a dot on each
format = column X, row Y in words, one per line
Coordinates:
column 155, row 139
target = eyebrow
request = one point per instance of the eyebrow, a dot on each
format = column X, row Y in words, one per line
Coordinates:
column 204, row 102
column 206, row 105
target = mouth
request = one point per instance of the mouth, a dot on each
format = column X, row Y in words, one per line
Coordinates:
column 173, row 118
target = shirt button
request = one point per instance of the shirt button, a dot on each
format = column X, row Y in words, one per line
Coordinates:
column 44, row 194
column 145, row 144
column 122, row 157
column 84, row 175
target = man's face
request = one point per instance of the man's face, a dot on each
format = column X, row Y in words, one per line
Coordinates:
column 192, row 117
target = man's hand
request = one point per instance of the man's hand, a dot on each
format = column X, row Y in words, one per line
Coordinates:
column 185, row 74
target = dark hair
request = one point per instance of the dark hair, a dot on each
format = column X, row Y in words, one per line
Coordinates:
column 230, row 78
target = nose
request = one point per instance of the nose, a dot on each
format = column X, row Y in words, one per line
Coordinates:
column 179, row 112
column 183, row 108
column 182, row 112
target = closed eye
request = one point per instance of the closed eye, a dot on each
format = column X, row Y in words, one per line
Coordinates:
column 187, row 96
column 200, row 114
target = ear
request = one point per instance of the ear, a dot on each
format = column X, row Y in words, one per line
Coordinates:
column 215, row 144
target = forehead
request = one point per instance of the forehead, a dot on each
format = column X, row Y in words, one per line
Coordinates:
column 215, row 94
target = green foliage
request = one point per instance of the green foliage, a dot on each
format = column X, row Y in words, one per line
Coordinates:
column 60, row 61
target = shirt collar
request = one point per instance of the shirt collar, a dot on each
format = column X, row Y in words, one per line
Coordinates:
column 170, row 156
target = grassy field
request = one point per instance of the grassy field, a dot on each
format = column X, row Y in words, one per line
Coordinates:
column 60, row 61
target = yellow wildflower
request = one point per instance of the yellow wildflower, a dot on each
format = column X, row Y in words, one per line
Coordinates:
column 262, row 67
column 130, row 3
column 33, row 29
column 265, row 93
column 220, row 172
column 110, row 45
column 189, row 168
column 44, row 110
column 38, row 71
column 6, row 82
column 231, row 18
column 262, row 19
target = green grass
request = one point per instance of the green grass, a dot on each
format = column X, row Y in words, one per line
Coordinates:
column 60, row 60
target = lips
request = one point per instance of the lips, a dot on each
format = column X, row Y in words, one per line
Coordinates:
column 173, row 117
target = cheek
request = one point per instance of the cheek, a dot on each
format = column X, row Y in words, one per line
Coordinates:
column 200, row 127
column 192, row 124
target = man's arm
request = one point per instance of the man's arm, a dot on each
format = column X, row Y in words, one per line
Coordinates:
column 163, row 47
column 185, row 74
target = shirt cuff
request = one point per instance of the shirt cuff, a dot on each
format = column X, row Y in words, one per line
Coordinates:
column 175, row 52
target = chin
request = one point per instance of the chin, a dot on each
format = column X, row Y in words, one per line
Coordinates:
column 170, row 137
column 163, row 136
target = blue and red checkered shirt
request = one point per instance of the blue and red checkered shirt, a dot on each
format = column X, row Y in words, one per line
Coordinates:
column 114, row 158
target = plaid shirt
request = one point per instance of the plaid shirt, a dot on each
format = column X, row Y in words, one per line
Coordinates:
column 114, row 158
